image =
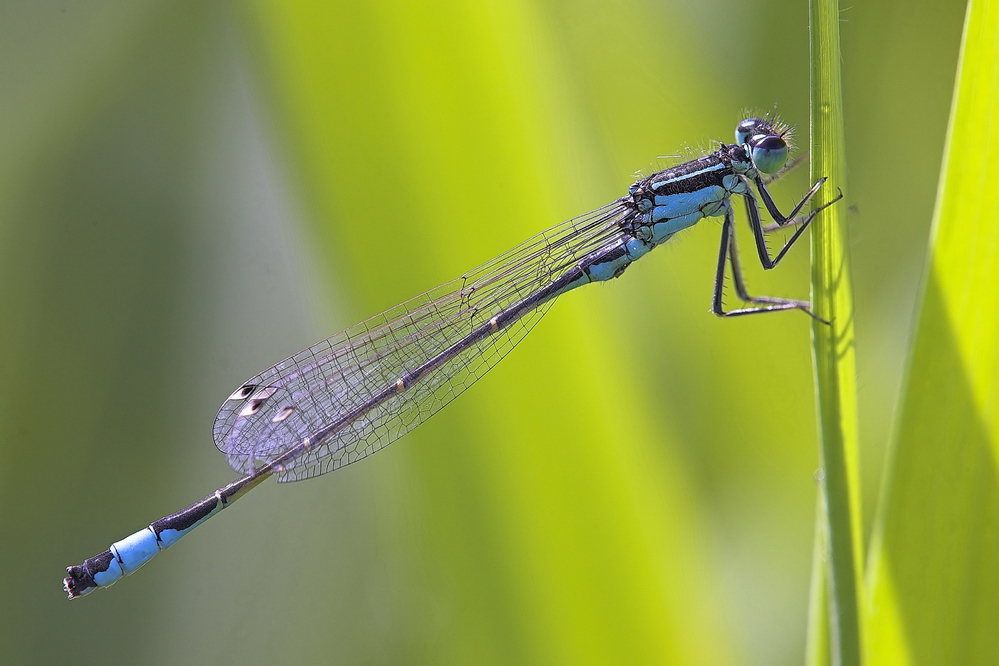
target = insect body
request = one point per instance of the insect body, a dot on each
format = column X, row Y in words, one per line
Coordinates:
column 352, row 394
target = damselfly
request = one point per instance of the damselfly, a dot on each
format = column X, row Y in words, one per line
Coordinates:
column 352, row 394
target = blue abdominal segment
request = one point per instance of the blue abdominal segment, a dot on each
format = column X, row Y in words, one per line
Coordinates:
column 126, row 556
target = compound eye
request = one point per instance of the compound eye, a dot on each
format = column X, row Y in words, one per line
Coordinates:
column 746, row 129
column 769, row 152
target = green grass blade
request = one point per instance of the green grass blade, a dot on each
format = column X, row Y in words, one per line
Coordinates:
column 833, row 347
column 935, row 555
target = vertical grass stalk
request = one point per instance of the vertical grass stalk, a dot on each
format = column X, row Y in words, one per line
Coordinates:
column 833, row 351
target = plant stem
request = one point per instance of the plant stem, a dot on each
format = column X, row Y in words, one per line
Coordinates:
column 833, row 344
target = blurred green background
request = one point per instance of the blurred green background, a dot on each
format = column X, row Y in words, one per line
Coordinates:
column 191, row 191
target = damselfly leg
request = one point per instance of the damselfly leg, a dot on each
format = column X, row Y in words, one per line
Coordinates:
column 728, row 252
column 753, row 212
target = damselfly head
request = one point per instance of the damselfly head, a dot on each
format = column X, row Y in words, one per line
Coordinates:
column 766, row 141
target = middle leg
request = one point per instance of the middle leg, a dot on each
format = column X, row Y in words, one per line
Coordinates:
column 728, row 254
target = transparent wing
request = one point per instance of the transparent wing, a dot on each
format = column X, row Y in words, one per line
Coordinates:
column 276, row 410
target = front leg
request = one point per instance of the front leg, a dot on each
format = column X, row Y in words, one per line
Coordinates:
column 753, row 212
column 775, row 213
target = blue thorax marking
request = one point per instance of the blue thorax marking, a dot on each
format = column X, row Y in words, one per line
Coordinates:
column 678, row 198
column 676, row 176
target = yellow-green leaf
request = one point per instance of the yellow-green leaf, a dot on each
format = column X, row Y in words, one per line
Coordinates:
column 935, row 558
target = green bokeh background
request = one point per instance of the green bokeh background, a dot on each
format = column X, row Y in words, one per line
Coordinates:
column 191, row 191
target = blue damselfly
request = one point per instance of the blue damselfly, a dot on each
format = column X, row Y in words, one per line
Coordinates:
column 352, row 394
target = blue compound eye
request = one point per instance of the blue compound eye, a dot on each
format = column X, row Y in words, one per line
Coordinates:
column 747, row 128
column 769, row 152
